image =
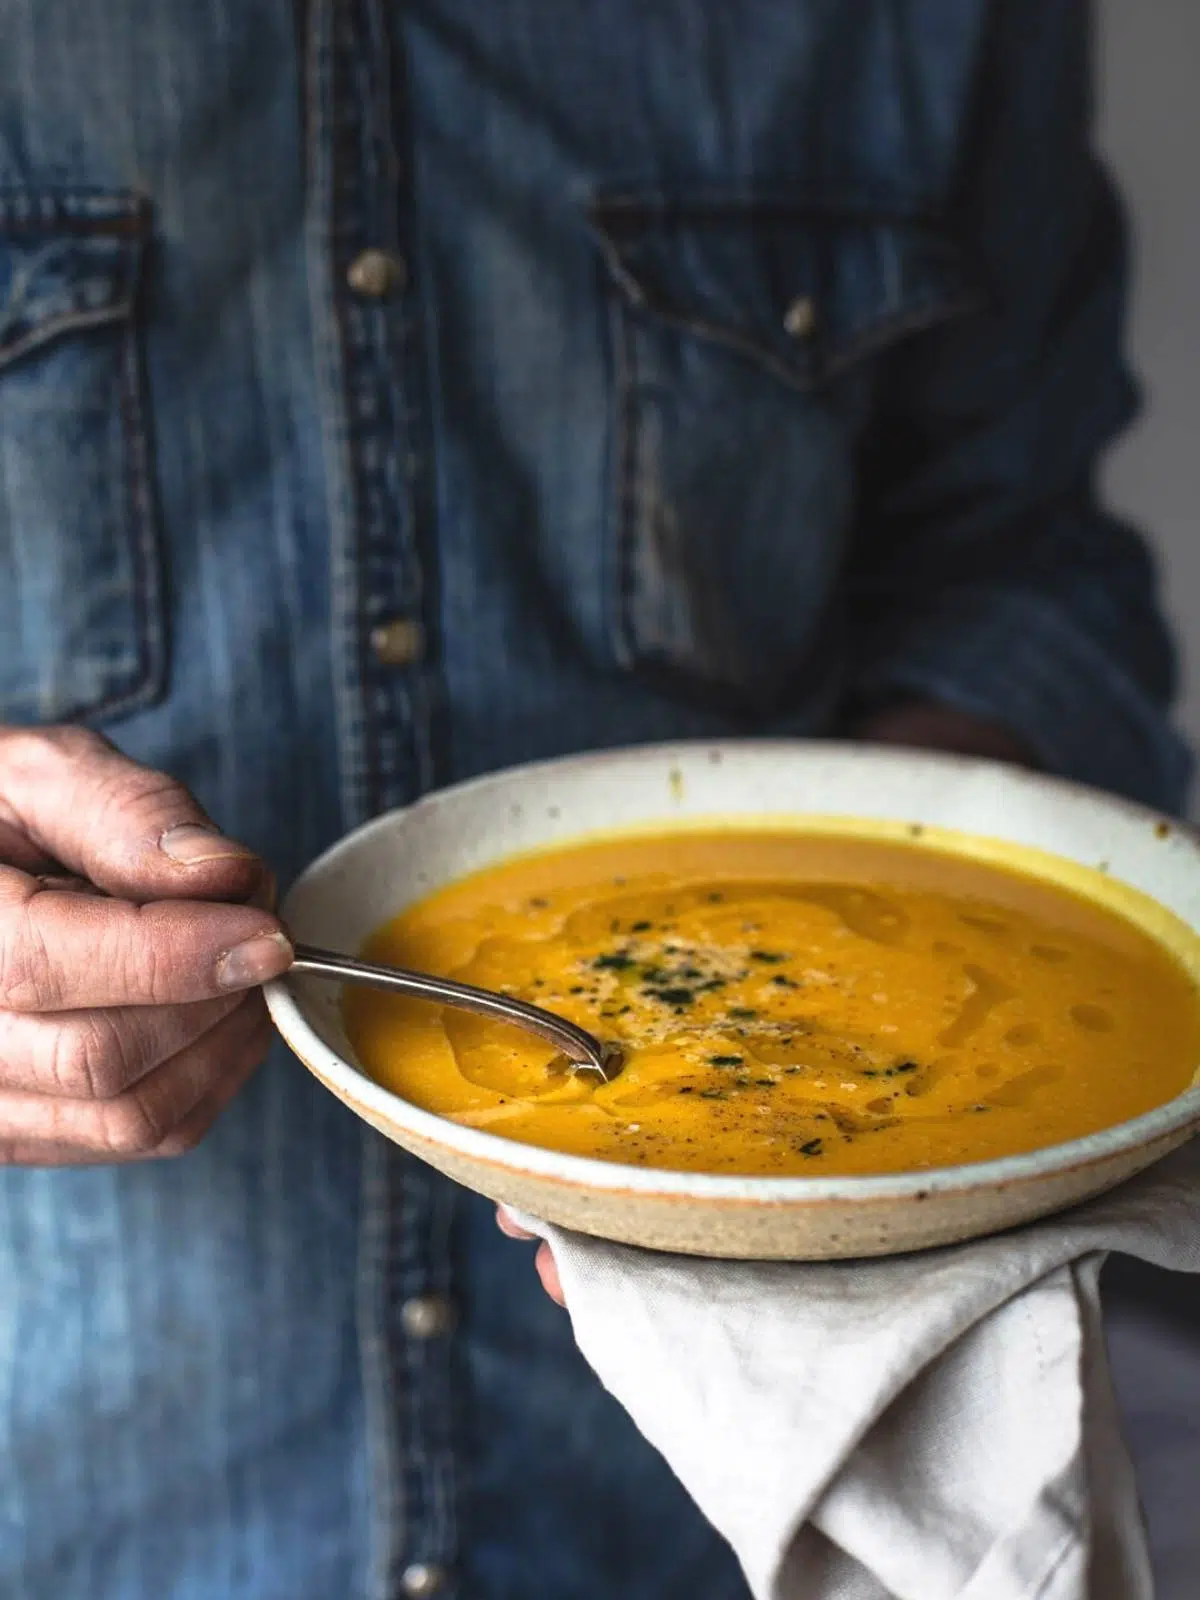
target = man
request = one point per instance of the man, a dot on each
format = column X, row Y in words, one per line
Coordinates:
column 393, row 391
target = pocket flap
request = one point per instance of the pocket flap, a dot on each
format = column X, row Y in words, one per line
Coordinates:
column 68, row 261
column 805, row 289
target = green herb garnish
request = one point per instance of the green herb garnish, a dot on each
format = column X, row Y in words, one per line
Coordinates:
column 614, row 961
column 673, row 996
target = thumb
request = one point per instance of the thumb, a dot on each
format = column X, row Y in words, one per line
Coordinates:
column 133, row 832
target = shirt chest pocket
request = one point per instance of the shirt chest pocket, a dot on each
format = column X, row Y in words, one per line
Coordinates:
column 746, row 347
column 81, row 629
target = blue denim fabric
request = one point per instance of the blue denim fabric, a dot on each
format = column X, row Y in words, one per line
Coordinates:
column 748, row 368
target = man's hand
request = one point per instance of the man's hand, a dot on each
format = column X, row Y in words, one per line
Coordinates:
column 544, row 1260
column 131, row 951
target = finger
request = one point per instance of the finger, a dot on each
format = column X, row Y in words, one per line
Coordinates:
column 67, row 882
column 182, row 1139
column 547, row 1268
column 66, row 952
column 17, row 850
column 133, row 831
column 188, row 1134
column 97, row 1055
column 547, row 1271
column 146, row 1119
column 506, row 1224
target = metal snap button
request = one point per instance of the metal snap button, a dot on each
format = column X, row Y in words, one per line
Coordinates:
column 398, row 643
column 423, row 1578
column 427, row 1316
column 377, row 273
column 800, row 318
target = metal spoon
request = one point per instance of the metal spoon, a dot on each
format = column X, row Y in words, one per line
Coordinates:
column 583, row 1050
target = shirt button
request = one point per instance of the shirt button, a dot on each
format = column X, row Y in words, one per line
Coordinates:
column 427, row 1316
column 399, row 643
column 422, row 1578
column 377, row 273
column 800, row 318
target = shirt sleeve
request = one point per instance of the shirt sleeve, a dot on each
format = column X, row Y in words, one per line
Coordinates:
column 985, row 574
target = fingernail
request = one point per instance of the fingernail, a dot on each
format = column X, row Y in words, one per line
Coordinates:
column 257, row 961
column 191, row 844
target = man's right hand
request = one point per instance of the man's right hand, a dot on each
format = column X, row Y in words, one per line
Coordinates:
column 131, row 951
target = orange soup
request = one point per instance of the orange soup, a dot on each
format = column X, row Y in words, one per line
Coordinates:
column 787, row 1003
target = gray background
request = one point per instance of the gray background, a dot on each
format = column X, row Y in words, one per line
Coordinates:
column 1149, row 106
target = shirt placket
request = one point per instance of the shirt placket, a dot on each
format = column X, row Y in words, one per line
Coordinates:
column 378, row 437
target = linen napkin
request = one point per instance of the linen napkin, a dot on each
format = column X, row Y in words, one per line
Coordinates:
column 920, row 1428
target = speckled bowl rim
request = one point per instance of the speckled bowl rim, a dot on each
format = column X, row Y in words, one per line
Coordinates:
column 615, row 1178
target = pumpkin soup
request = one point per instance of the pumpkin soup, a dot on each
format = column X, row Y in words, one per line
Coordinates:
column 786, row 1003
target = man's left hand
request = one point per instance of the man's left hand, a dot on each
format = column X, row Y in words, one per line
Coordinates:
column 544, row 1260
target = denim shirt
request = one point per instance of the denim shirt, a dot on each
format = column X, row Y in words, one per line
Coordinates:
column 390, row 391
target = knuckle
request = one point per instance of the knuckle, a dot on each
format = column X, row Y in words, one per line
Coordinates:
column 128, row 786
column 130, row 1128
column 26, row 973
column 69, row 1065
column 18, row 987
column 151, row 970
column 182, row 1141
column 138, row 967
column 93, row 1058
column 33, row 749
column 108, row 782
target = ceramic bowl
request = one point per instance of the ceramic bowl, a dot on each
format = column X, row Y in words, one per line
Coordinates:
column 402, row 856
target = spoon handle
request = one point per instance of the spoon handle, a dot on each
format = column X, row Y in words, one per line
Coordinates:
column 581, row 1049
